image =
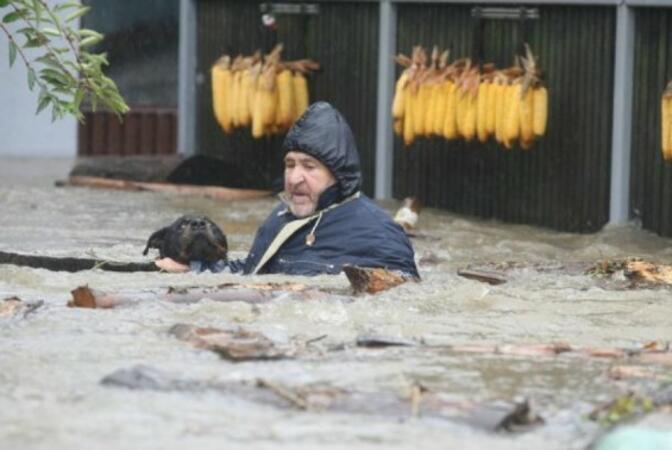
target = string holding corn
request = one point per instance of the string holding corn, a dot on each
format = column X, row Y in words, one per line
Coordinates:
column 260, row 92
column 462, row 100
column 666, row 122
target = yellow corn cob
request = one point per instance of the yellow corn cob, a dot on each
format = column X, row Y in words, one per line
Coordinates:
column 450, row 121
column 258, row 114
column 420, row 103
column 440, row 111
column 300, row 93
column 409, row 128
column 244, row 104
column 491, row 107
column 665, row 117
column 527, row 119
column 221, row 92
column 268, row 89
column 668, row 151
column 286, row 101
column 540, row 110
column 432, row 105
column 512, row 120
column 502, row 105
column 398, row 127
column 238, row 98
column 482, row 111
column 399, row 93
column 469, row 120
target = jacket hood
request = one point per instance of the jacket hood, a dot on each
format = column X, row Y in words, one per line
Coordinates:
column 323, row 133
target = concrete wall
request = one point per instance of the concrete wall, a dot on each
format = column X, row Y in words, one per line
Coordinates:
column 22, row 133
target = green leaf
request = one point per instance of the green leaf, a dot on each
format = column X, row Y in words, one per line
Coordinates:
column 34, row 43
column 77, row 14
column 12, row 16
column 4, row 3
column 31, row 79
column 79, row 97
column 45, row 99
column 64, row 6
column 12, row 53
column 91, row 40
column 51, row 32
column 49, row 60
column 86, row 33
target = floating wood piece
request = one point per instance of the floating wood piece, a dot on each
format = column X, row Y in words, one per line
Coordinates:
column 637, row 270
column 375, row 341
column 15, row 307
column 237, row 344
column 504, row 416
column 554, row 348
column 85, row 297
column 70, row 264
column 628, row 372
column 372, row 280
column 484, row 276
column 214, row 192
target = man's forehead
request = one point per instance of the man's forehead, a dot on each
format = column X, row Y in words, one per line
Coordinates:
column 300, row 156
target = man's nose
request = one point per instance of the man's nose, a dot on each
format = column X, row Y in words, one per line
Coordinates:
column 295, row 175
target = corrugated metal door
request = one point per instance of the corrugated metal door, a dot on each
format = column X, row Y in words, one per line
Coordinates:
column 651, row 176
column 562, row 182
column 343, row 38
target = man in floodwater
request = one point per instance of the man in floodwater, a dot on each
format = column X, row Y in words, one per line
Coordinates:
column 324, row 222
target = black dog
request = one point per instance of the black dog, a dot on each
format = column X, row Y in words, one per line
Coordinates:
column 190, row 238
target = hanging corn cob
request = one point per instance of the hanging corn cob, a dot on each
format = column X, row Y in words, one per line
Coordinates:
column 463, row 100
column 666, row 122
column 222, row 88
column 266, row 94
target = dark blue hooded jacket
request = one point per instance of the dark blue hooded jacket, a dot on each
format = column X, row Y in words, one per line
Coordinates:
column 356, row 232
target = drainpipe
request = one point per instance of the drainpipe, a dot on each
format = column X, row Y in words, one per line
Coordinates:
column 619, row 204
column 186, row 90
column 384, row 135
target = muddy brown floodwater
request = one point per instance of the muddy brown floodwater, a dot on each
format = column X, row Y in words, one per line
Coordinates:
column 53, row 360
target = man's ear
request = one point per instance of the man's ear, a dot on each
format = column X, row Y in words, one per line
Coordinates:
column 156, row 239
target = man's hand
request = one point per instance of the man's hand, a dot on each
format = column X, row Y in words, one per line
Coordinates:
column 170, row 265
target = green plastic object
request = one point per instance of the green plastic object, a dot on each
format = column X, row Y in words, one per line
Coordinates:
column 636, row 438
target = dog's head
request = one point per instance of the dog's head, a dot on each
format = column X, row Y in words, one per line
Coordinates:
column 190, row 238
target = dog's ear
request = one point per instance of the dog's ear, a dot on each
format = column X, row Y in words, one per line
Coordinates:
column 156, row 240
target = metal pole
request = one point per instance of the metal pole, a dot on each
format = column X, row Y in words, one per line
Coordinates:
column 384, row 135
column 619, row 205
column 186, row 95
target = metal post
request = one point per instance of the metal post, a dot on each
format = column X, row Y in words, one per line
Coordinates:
column 186, row 95
column 384, row 135
column 619, row 205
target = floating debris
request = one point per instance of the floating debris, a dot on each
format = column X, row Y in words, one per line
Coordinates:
column 12, row 307
column 421, row 403
column 373, row 280
column 86, row 297
column 484, row 276
column 237, row 344
column 375, row 341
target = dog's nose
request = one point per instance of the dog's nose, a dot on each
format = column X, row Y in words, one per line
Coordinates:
column 198, row 223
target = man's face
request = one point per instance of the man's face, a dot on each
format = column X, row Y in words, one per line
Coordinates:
column 305, row 179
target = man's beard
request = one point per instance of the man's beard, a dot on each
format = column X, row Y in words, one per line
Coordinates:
column 304, row 210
